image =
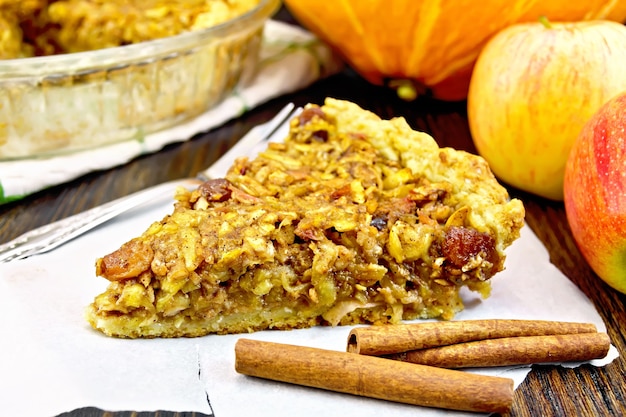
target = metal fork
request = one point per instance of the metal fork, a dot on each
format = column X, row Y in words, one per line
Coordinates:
column 53, row 235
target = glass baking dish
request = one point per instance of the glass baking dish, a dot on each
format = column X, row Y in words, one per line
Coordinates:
column 65, row 103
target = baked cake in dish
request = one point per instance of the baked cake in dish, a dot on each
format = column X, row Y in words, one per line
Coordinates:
column 50, row 27
column 352, row 219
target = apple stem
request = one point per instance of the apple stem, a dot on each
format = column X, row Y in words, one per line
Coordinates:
column 545, row 22
column 407, row 92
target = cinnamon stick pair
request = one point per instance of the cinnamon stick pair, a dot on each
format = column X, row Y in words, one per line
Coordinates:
column 374, row 377
column 432, row 347
column 482, row 343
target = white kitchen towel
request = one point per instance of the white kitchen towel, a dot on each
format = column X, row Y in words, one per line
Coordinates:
column 291, row 59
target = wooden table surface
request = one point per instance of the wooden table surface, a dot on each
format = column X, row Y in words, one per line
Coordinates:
column 547, row 391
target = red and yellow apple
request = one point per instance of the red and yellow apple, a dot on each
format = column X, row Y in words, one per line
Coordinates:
column 533, row 88
column 595, row 192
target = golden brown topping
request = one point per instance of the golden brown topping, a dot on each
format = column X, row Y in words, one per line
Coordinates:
column 346, row 230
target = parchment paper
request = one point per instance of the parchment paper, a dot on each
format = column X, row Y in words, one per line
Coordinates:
column 52, row 361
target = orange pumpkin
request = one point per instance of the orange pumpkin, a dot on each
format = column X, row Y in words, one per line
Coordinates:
column 430, row 44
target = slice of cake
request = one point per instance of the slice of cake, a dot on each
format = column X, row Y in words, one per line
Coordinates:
column 352, row 219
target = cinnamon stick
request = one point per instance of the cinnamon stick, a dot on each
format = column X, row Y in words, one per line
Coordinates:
column 512, row 351
column 387, row 339
column 374, row 377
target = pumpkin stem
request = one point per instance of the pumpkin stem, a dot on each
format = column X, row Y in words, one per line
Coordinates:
column 545, row 22
column 405, row 89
